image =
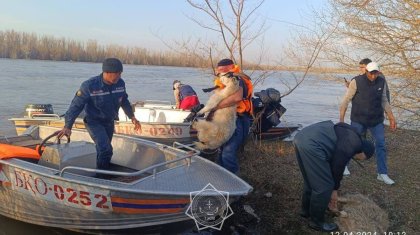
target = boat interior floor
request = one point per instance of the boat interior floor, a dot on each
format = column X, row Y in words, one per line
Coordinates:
column 124, row 179
column 30, row 142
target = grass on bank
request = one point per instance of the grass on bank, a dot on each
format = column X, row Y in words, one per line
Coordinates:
column 271, row 167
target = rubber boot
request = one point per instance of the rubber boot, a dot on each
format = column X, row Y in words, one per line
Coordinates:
column 306, row 201
column 317, row 213
column 324, row 227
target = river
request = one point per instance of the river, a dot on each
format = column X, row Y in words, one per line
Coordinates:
column 49, row 82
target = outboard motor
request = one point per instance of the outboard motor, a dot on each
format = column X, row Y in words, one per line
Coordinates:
column 267, row 110
column 32, row 109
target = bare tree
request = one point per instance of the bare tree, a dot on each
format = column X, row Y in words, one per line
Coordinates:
column 238, row 25
column 232, row 22
column 387, row 32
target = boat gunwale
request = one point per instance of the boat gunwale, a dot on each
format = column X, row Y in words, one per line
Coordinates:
column 55, row 173
column 100, row 182
column 81, row 121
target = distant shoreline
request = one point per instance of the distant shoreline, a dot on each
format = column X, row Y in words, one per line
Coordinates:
column 314, row 70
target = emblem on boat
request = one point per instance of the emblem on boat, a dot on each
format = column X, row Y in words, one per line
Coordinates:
column 209, row 207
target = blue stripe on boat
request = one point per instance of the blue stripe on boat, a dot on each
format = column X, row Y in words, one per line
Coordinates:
column 148, row 206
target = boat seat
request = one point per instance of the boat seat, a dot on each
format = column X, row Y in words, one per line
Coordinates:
column 77, row 153
column 15, row 139
column 27, row 143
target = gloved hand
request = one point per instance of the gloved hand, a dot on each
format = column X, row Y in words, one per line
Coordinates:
column 210, row 115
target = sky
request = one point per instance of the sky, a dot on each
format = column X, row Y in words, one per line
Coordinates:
column 141, row 23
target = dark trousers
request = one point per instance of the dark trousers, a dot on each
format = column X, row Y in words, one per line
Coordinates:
column 227, row 156
column 318, row 181
column 101, row 133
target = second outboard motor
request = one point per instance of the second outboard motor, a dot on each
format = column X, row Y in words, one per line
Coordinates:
column 32, row 109
column 268, row 109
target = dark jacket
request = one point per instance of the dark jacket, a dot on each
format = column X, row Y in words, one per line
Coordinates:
column 100, row 101
column 337, row 144
column 186, row 90
column 367, row 102
column 388, row 95
column 348, row 144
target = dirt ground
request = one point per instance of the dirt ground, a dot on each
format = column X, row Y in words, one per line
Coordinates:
column 271, row 168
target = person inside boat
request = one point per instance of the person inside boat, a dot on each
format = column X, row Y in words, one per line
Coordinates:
column 101, row 97
column 322, row 150
column 185, row 96
column 242, row 99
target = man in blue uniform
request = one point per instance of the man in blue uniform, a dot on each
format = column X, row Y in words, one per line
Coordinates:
column 101, row 97
column 323, row 150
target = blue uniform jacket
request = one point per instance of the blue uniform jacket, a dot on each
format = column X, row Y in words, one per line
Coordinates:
column 100, row 101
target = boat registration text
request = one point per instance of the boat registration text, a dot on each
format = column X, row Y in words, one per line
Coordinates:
column 70, row 194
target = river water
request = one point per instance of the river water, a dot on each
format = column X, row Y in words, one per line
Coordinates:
column 48, row 82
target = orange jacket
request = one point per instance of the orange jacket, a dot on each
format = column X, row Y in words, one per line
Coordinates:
column 245, row 105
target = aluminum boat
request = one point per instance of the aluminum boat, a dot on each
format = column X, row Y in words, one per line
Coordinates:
column 57, row 184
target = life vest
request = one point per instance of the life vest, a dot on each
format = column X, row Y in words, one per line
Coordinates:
column 11, row 151
column 245, row 105
column 185, row 91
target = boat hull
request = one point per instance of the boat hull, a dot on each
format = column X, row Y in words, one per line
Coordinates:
column 160, row 122
column 277, row 133
column 152, row 185
column 42, row 200
column 160, row 132
column 165, row 133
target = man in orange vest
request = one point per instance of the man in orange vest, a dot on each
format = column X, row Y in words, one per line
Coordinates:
column 242, row 99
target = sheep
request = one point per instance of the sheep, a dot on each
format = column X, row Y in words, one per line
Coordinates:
column 361, row 214
column 215, row 132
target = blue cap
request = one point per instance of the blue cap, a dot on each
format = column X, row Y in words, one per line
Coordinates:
column 224, row 62
column 112, row 65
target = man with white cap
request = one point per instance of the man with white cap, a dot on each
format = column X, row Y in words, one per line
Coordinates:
column 369, row 101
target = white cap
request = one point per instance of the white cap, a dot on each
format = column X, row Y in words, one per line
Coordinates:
column 372, row 66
